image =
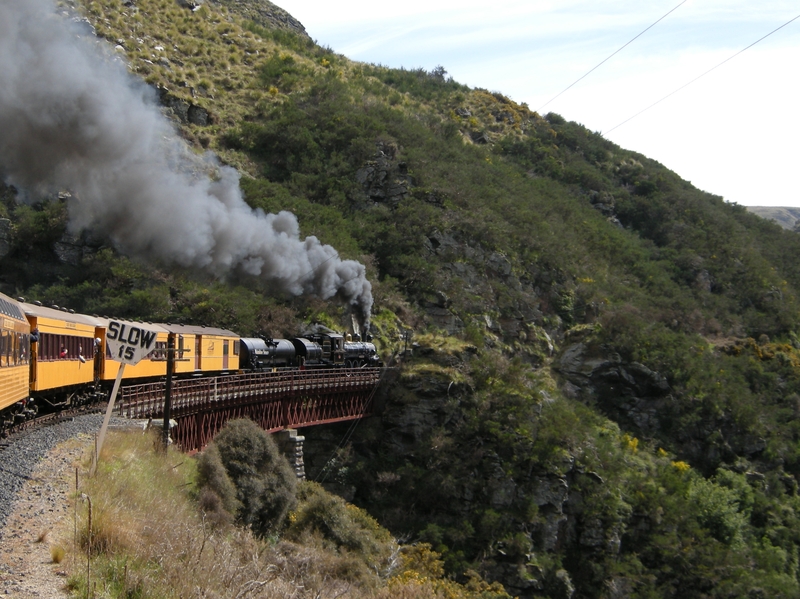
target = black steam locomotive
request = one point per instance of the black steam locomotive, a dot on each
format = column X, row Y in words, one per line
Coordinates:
column 323, row 350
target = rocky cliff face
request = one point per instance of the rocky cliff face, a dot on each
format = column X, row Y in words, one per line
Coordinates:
column 630, row 393
column 422, row 416
column 643, row 402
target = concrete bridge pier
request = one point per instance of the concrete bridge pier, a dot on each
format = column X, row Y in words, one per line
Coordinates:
column 291, row 445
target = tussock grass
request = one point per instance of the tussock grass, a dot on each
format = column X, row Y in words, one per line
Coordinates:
column 216, row 58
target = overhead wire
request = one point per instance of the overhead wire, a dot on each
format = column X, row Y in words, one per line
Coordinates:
column 672, row 93
column 612, row 54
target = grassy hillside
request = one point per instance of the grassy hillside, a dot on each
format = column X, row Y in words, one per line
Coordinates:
column 603, row 397
column 137, row 532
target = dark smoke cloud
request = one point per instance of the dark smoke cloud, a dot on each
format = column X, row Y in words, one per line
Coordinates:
column 71, row 117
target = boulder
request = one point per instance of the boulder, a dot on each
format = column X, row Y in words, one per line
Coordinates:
column 69, row 249
column 480, row 137
column 184, row 111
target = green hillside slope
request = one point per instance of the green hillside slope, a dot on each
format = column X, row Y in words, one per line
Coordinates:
column 785, row 217
column 603, row 398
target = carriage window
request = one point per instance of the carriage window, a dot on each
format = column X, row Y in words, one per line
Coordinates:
column 24, row 348
column 65, row 347
column 3, row 350
column 160, row 351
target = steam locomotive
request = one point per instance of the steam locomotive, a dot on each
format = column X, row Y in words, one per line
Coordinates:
column 326, row 349
column 54, row 358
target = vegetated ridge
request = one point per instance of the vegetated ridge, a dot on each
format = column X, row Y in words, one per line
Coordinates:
column 603, row 396
column 785, row 217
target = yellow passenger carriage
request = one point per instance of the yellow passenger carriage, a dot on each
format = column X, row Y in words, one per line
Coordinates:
column 153, row 365
column 63, row 354
column 205, row 349
column 14, row 358
column 198, row 350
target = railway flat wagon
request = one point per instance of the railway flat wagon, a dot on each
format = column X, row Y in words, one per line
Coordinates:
column 15, row 354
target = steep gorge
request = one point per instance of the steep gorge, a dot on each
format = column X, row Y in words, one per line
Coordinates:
column 601, row 393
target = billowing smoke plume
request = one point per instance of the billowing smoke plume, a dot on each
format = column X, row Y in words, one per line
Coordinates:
column 70, row 117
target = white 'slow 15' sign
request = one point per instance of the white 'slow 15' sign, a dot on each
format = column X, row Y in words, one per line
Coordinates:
column 129, row 342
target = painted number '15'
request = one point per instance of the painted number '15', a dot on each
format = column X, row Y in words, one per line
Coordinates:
column 126, row 351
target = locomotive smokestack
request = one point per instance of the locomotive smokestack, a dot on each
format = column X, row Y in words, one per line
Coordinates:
column 72, row 118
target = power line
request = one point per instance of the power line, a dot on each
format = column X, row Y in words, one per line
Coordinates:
column 611, row 55
column 702, row 75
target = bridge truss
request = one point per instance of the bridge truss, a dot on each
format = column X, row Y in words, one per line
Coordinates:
column 273, row 400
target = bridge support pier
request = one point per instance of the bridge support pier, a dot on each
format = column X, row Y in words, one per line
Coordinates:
column 291, row 445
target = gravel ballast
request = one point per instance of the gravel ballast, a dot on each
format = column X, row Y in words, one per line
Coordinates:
column 21, row 457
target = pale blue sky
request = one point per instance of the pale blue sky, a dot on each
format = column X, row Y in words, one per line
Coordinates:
column 734, row 132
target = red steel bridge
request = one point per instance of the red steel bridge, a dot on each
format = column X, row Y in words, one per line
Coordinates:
column 273, row 400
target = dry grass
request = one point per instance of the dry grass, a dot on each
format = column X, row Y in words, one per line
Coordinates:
column 57, row 553
column 149, row 539
column 214, row 60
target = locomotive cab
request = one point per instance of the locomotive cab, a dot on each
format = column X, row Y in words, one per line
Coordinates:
column 332, row 348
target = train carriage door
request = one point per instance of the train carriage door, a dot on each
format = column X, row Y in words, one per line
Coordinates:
column 99, row 354
column 34, row 352
column 198, row 352
column 225, row 355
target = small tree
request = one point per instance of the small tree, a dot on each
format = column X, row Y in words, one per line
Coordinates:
column 217, row 492
column 264, row 483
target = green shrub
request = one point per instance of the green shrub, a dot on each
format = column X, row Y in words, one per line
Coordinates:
column 217, row 492
column 265, row 483
column 341, row 524
column 717, row 508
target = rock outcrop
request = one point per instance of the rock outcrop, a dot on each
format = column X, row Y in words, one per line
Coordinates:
column 384, row 179
column 630, row 393
column 184, row 111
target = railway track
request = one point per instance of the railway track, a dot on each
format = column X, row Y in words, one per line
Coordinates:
column 18, row 431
